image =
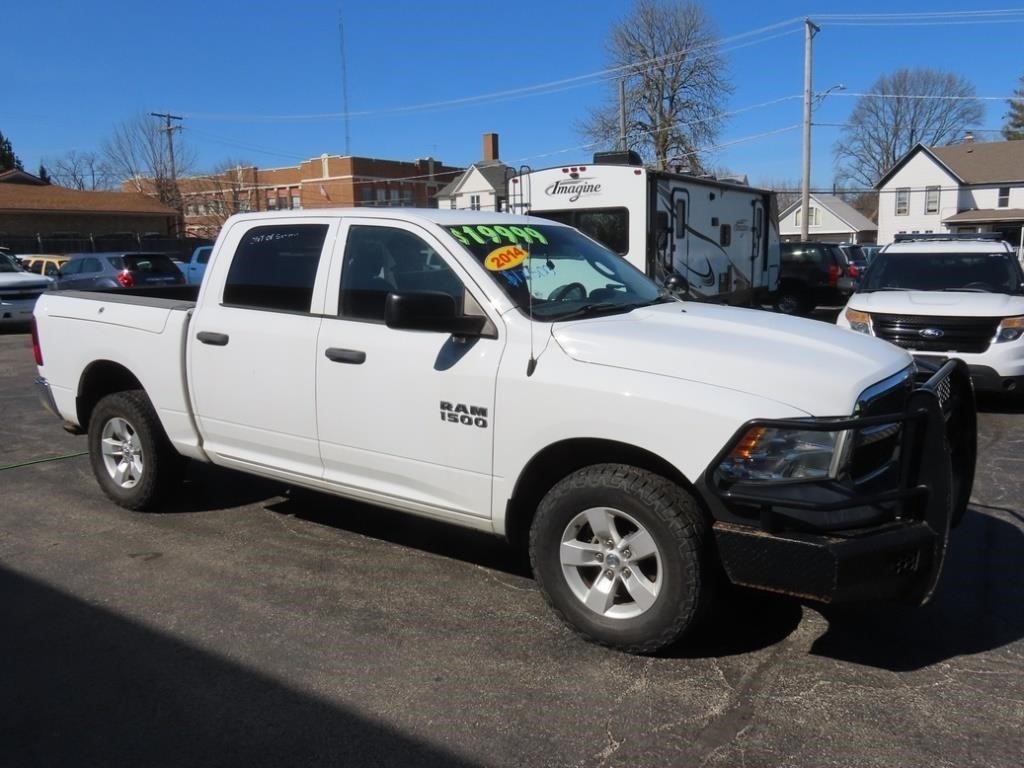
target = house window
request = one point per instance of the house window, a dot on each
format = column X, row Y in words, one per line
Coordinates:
column 813, row 216
column 1004, row 197
column 931, row 199
column 367, row 196
column 296, row 202
column 451, row 203
column 271, row 203
column 474, row 202
column 903, row 201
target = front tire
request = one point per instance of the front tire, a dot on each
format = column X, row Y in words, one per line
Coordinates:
column 620, row 554
column 132, row 459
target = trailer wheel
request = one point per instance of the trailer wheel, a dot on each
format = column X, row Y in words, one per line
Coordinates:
column 619, row 553
column 131, row 457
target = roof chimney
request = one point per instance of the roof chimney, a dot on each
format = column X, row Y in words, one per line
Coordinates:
column 490, row 146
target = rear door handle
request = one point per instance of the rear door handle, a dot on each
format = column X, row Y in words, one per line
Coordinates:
column 351, row 356
column 216, row 339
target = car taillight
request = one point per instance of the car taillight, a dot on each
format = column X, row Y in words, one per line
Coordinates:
column 125, row 279
column 833, row 274
column 37, row 351
column 853, row 271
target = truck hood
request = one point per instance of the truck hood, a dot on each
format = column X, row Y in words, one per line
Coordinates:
column 945, row 303
column 806, row 364
column 23, row 281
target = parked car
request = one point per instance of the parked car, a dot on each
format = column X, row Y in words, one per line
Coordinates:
column 855, row 256
column 870, row 251
column 948, row 296
column 19, row 290
column 118, row 270
column 195, row 267
column 509, row 374
column 813, row 275
column 44, row 264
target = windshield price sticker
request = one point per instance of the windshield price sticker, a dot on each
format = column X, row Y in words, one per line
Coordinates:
column 497, row 234
column 505, row 257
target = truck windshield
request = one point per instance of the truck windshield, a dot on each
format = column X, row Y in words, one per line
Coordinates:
column 981, row 272
column 556, row 272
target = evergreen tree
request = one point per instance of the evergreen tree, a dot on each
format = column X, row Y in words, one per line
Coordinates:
column 1013, row 130
column 44, row 174
column 8, row 160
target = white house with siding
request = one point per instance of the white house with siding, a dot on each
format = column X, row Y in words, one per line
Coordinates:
column 482, row 186
column 830, row 220
column 967, row 187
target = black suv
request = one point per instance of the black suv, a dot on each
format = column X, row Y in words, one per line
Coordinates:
column 814, row 275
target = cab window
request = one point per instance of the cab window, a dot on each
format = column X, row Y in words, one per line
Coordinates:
column 379, row 260
column 274, row 267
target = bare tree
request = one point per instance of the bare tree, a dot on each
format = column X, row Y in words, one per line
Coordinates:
column 908, row 107
column 137, row 153
column 209, row 199
column 667, row 51
column 787, row 191
column 80, row 170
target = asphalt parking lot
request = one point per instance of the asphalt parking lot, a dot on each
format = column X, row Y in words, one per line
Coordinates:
column 253, row 626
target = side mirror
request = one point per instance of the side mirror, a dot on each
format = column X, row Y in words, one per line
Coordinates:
column 429, row 311
column 676, row 284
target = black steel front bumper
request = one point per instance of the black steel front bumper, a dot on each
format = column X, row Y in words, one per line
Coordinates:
column 856, row 539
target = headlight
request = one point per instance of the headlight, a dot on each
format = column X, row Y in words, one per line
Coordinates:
column 769, row 454
column 1010, row 329
column 859, row 321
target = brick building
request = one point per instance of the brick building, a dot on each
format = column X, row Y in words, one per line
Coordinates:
column 327, row 181
column 38, row 217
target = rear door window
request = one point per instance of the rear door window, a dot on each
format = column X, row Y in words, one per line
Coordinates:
column 274, row 267
column 156, row 264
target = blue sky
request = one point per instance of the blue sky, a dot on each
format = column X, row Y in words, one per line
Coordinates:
column 261, row 82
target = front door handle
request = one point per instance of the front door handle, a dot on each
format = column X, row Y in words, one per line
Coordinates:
column 351, row 356
column 216, row 339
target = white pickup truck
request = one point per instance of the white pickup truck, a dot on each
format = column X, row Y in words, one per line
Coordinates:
column 510, row 374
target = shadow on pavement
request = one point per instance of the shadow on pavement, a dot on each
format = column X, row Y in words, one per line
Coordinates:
column 976, row 608
column 406, row 530
column 995, row 402
column 82, row 686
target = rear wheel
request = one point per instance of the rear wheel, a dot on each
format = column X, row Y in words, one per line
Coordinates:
column 619, row 553
column 792, row 301
column 131, row 457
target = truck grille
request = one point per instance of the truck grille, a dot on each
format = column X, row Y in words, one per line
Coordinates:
column 923, row 333
column 20, row 294
column 876, row 448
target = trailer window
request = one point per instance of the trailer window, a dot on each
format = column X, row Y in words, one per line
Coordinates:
column 725, row 235
column 609, row 226
column 680, row 218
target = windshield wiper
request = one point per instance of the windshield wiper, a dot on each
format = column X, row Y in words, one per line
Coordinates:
column 969, row 290
column 886, row 288
column 596, row 308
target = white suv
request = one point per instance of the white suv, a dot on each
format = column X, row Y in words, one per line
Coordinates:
column 948, row 296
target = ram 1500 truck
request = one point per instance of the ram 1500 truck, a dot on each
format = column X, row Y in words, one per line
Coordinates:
column 510, row 374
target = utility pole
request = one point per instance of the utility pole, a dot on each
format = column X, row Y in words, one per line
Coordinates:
column 810, row 30
column 169, row 129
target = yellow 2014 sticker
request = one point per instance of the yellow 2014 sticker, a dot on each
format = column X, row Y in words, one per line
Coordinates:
column 506, row 257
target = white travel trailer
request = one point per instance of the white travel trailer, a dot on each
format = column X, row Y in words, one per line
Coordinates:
column 715, row 240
